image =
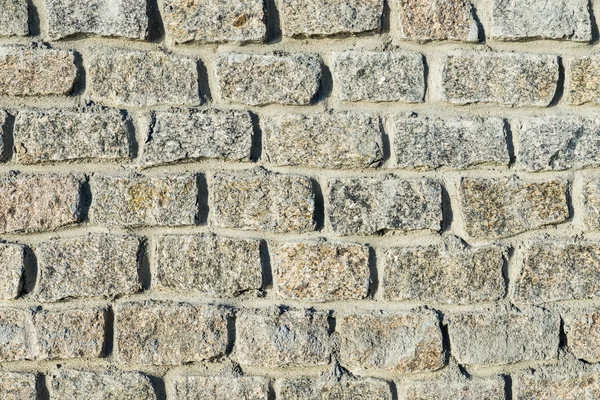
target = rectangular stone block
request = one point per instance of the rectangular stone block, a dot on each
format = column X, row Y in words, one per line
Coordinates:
column 426, row 20
column 31, row 203
column 353, row 140
column 548, row 19
column 367, row 206
column 63, row 334
column 451, row 272
column 191, row 134
column 215, row 21
column 17, row 335
column 591, row 204
column 320, row 271
column 190, row 387
column 208, row 264
column 259, row 79
column 584, row 83
column 138, row 200
column 278, row 338
column 171, row 333
column 331, row 389
column 430, row 143
column 552, row 271
column 124, row 18
column 513, row 79
column 379, row 76
column 12, row 270
column 501, row 207
column 94, row 265
column 90, row 134
column 257, row 199
column 14, row 19
column 569, row 381
column 36, row 71
column 139, row 78
column 582, row 327
column 68, row 384
column 398, row 342
column 330, row 17
column 454, row 385
column 502, row 335
column 18, row 386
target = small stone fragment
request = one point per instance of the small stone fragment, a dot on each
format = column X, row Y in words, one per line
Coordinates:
column 366, row 206
column 69, row 384
column 18, row 386
column 189, row 387
column 14, row 21
column 582, row 327
column 17, row 335
column 259, row 79
column 333, row 389
column 12, row 269
column 584, row 84
column 4, row 132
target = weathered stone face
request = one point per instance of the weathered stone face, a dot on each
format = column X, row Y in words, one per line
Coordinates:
column 18, row 385
column 217, row 387
column 584, row 85
column 591, row 203
column 18, row 335
column 74, row 384
column 13, row 18
column 12, row 269
column 331, row 389
column 582, row 327
column 561, row 382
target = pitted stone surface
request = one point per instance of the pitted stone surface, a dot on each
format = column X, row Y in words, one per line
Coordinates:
column 13, row 18
column 454, row 385
column 584, row 84
column 332, row 389
column 577, row 381
column 4, row 134
column 18, row 386
column 591, row 204
column 17, row 335
column 68, row 384
column 582, row 327
column 12, row 270
column 189, row 387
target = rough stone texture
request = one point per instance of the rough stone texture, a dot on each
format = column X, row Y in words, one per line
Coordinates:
column 13, row 18
column 189, row 387
column 430, row 143
column 91, row 134
column 257, row 199
column 89, row 266
column 514, row 79
column 259, row 79
column 70, row 334
column 31, row 71
column 320, row 271
column 278, row 338
column 215, row 20
column 366, row 206
column 125, row 18
column 353, row 140
column 591, row 204
column 12, row 269
column 559, row 142
column 168, row 333
column 554, row 271
column 17, row 386
column 139, row 200
column 379, row 76
column 399, row 342
column 584, row 84
column 208, row 264
column 566, row 381
column 501, row 207
column 503, row 335
column 333, row 389
column 451, row 272
column 329, row 17
column 39, row 202
column 17, row 336
column 68, row 384
column 4, row 134
column 137, row 78
column 438, row 20
column 582, row 327
column 541, row 19
column 190, row 134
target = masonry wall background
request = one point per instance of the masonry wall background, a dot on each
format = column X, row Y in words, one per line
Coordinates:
column 299, row 199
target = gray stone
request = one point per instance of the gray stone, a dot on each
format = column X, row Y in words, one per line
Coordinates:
column 541, row 19
column 425, row 20
column 70, row 333
column 352, row 140
column 14, row 19
column 190, row 134
column 31, row 71
column 139, row 78
column 330, row 17
column 584, row 81
column 501, row 335
column 138, row 200
column 582, row 327
column 190, row 387
column 257, row 199
column 215, row 21
column 451, row 272
column 591, row 204
column 69, row 384
column 93, row 265
column 208, row 264
column 171, row 333
column 379, row 76
column 366, row 206
column 277, row 338
column 90, row 134
column 430, row 143
column 17, row 335
column 333, row 389
column 501, row 207
column 18, row 386
column 399, row 342
column 31, row 203
column 125, row 18
column 320, row 271
column 12, row 269
column 552, row 271
column 514, row 79
column 259, row 79
column 4, row 132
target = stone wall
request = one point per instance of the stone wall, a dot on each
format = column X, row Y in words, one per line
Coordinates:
column 299, row 199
